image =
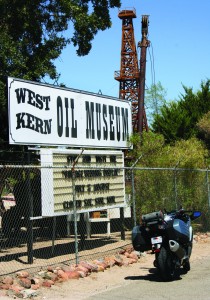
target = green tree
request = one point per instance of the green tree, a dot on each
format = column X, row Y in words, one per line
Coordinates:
column 155, row 98
column 34, row 33
column 177, row 120
column 166, row 176
column 203, row 127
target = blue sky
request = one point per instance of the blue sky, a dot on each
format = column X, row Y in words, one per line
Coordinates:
column 179, row 32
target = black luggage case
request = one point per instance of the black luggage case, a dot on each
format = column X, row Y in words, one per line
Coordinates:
column 141, row 239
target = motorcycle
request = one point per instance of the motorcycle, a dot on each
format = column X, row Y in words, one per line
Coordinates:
column 169, row 235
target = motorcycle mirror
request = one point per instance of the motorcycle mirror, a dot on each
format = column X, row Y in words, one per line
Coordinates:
column 195, row 215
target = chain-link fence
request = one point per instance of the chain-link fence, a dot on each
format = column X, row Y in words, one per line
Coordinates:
column 171, row 188
column 58, row 213
column 52, row 214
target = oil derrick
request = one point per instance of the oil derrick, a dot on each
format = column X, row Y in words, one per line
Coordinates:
column 129, row 74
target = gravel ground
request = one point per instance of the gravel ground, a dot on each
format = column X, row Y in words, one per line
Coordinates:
column 112, row 277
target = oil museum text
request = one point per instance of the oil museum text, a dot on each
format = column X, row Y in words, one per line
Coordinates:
column 102, row 122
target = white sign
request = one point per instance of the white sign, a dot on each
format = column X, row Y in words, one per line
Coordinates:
column 42, row 114
column 98, row 182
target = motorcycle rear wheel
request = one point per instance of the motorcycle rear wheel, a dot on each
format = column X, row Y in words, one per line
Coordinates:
column 166, row 265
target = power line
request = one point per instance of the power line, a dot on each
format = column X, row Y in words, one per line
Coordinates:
column 154, row 91
column 152, row 64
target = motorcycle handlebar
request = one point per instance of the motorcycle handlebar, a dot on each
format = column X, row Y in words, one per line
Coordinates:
column 193, row 214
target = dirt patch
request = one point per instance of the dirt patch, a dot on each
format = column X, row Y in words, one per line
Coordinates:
column 112, row 277
column 116, row 276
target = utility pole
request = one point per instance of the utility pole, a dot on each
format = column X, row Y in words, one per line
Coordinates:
column 142, row 123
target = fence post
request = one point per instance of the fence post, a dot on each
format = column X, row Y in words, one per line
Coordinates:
column 133, row 197
column 29, row 215
column 175, row 188
column 122, row 222
column 133, row 189
column 208, row 188
column 53, row 235
column 82, row 231
column 75, row 214
column 75, row 207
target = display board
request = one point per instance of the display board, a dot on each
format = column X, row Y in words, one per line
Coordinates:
column 98, row 180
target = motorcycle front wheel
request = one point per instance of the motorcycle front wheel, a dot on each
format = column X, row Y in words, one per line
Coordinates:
column 166, row 265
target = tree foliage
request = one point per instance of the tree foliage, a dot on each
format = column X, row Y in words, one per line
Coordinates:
column 203, row 127
column 33, row 31
column 177, row 120
column 155, row 152
column 155, row 98
column 166, row 175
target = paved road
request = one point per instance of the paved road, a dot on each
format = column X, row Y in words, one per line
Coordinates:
column 194, row 285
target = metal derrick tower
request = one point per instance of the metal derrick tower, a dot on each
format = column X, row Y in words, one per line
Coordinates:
column 129, row 76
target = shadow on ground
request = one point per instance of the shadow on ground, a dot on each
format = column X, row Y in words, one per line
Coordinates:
column 153, row 275
column 61, row 247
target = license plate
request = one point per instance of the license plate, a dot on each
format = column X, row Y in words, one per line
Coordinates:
column 156, row 240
